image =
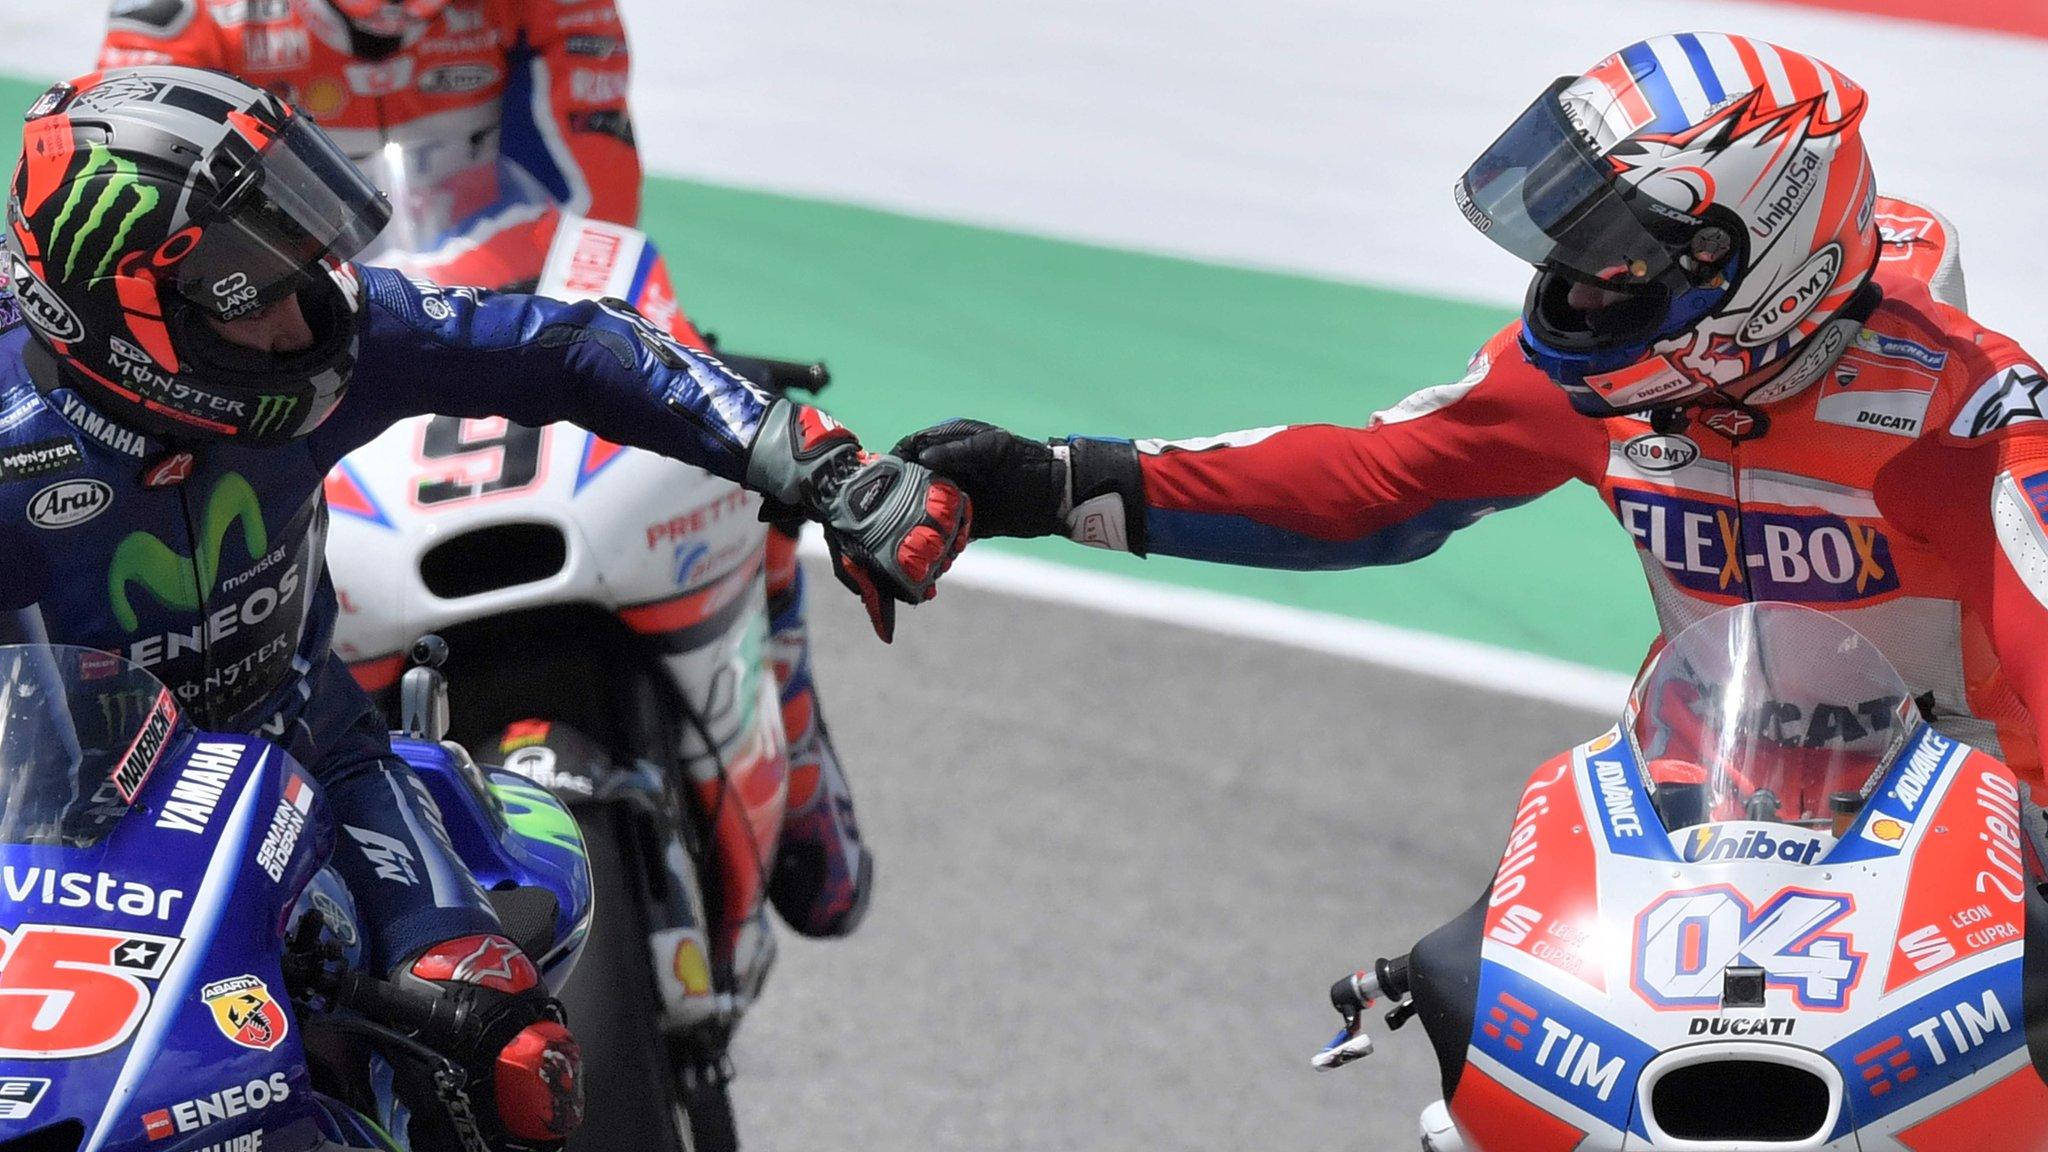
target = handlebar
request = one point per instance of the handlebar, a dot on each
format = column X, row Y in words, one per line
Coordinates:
column 780, row 376
column 1356, row 992
column 777, row 376
column 439, row 1022
column 1351, row 996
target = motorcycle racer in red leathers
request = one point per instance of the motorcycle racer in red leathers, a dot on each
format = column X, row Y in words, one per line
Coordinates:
column 1763, row 367
column 458, row 83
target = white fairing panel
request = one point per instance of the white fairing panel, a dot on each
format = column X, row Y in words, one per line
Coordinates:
column 639, row 529
column 1889, row 958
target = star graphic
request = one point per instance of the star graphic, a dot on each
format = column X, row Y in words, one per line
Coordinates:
column 2018, row 398
column 141, row 954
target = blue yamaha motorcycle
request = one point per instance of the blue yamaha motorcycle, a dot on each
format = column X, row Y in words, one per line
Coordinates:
column 179, row 971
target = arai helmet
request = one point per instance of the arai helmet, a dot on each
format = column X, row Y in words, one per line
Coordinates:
column 1697, row 207
column 149, row 200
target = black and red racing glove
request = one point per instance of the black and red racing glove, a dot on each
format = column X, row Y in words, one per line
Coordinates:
column 525, row 1074
column 893, row 527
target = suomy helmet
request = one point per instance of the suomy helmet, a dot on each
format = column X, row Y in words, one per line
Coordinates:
column 150, row 199
column 1697, row 207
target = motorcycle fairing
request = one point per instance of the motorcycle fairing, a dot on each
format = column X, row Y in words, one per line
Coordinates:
column 197, row 829
column 1902, row 930
column 512, row 834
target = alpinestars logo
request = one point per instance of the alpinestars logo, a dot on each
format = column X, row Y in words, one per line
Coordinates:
column 120, row 201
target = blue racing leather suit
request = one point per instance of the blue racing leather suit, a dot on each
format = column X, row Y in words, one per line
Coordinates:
column 213, row 576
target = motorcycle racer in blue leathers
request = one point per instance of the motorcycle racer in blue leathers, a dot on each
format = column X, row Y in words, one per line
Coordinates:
column 186, row 353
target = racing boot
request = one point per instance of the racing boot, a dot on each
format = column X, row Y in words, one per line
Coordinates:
column 823, row 874
column 1438, row 1133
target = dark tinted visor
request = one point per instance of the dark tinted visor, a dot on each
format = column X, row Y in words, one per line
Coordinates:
column 1544, row 194
column 301, row 201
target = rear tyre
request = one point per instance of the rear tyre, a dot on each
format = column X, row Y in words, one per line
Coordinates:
column 637, row 1098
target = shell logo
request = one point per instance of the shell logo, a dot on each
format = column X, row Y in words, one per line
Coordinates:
column 1887, row 830
column 693, row 970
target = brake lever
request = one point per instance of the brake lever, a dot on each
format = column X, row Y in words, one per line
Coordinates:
column 1350, row 996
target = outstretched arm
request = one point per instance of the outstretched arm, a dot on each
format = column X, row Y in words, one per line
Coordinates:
column 1305, row 496
column 893, row 527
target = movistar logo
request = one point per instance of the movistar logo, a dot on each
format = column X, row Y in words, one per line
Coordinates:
column 122, row 200
column 179, row 581
column 271, row 414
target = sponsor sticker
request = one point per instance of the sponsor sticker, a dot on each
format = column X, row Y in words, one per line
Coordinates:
column 285, row 825
column 43, row 310
column 246, row 1013
column 456, row 79
column 41, row 458
column 174, row 469
column 389, row 855
column 2012, row 396
column 1657, row 452
column 207, row 773
column 56, row 888
column 1889, row 831
column 227, row 1104
column 588, row 87
column 69, row 503
column 1760, row 554
column 1901, row 235
column 99, row 427
column 594, row 47
column 1899, row 413
column 140, row 759
column 19, row 1096
column 1787, row 304
column 1717, row 844
column 1900, row 348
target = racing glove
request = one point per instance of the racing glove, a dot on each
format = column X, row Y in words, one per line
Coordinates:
column 892, row 526
column 524, row 1091
column 1023, row 487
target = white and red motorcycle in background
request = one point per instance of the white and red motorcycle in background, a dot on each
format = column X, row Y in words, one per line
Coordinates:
column 1771, row 910
column 605, row 618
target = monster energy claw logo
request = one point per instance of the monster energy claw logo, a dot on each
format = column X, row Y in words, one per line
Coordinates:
column 271, row 414
column 179, row 581
column 111, row 207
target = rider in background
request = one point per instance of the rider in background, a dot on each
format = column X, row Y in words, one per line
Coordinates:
column 542, row 83
column 1763, row 367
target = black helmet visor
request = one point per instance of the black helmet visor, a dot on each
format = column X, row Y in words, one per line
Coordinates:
column 1542, row 192
column 299, row 202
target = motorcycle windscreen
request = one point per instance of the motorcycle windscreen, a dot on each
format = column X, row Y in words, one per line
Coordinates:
column 446, row 195
column 1775, row 710
column 80, row 731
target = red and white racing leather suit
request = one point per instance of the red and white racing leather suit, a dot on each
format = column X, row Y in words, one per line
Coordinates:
column 1906, row 489
column 543, row 80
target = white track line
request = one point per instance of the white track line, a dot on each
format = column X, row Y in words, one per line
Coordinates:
column 1466, row 662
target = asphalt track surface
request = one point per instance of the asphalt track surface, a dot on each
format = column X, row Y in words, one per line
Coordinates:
column 1119, row 866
